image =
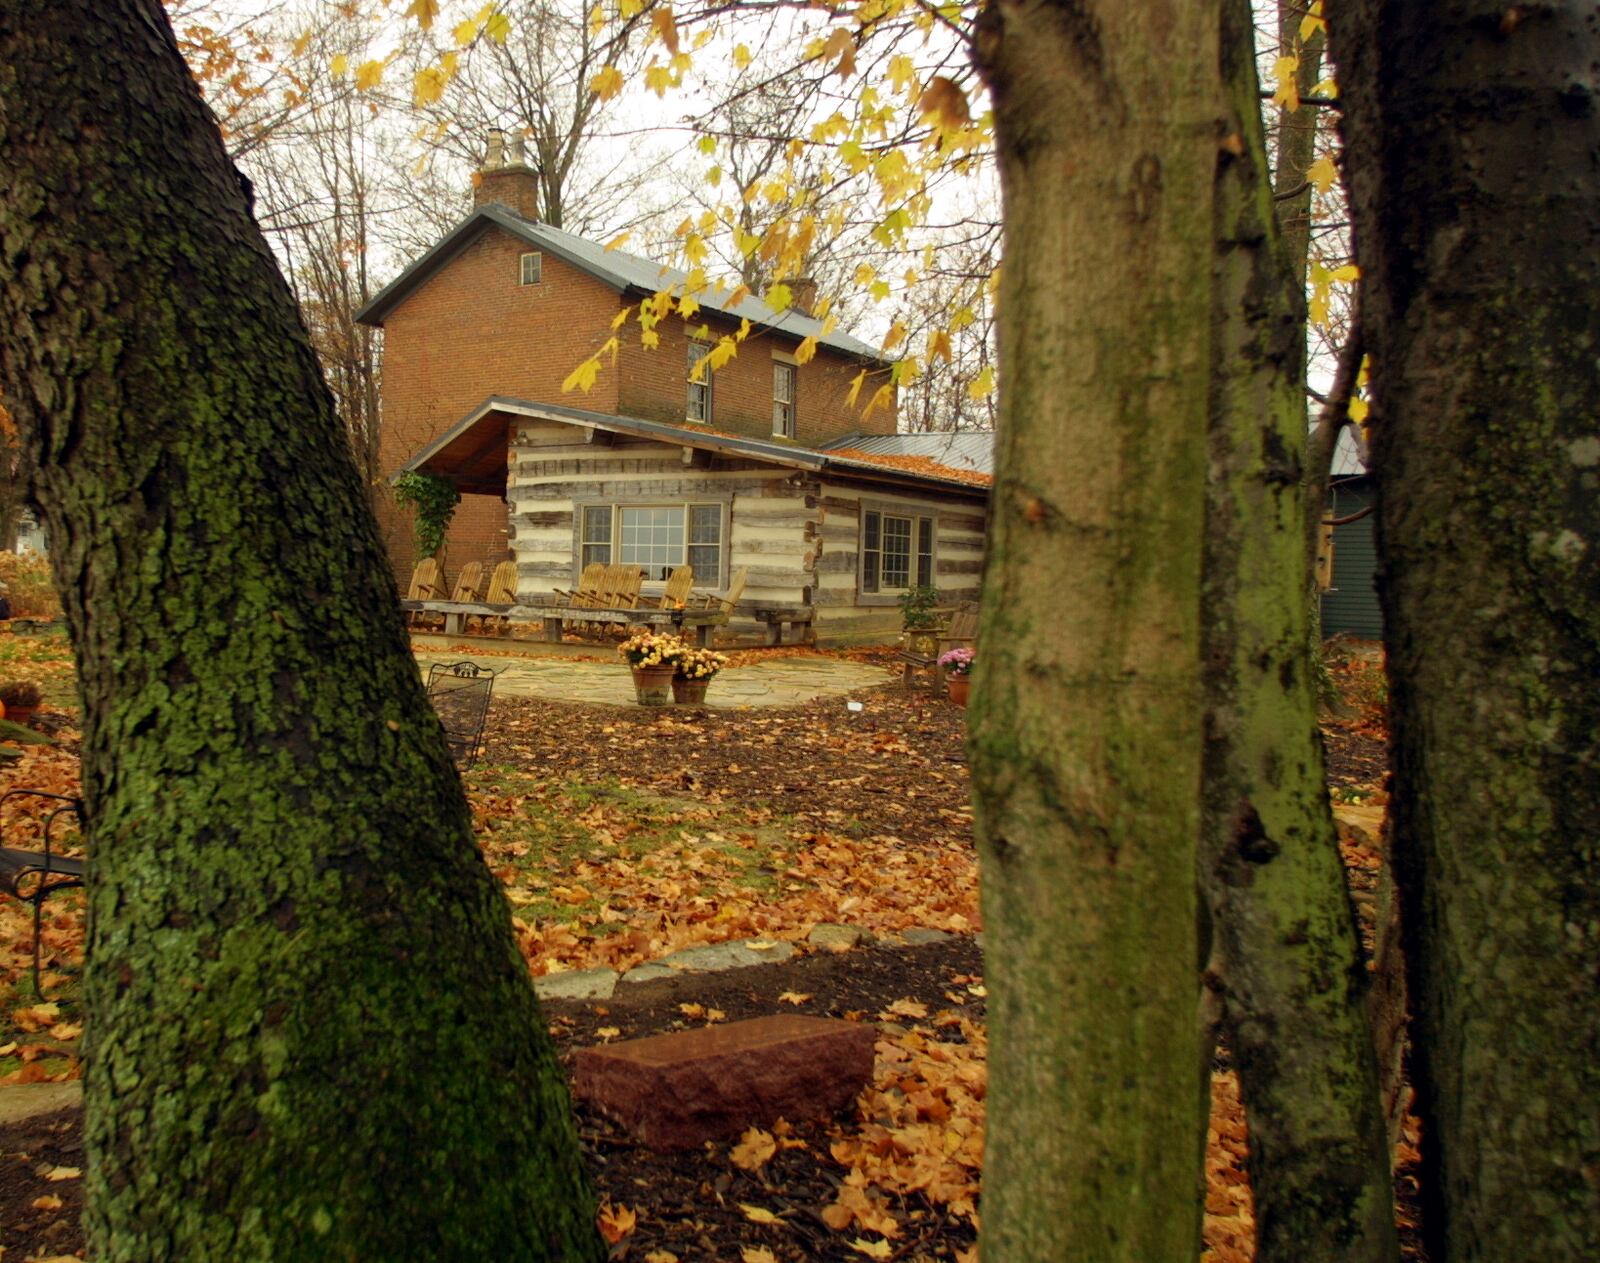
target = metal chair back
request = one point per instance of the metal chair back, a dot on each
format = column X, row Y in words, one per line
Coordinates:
column 460, row 693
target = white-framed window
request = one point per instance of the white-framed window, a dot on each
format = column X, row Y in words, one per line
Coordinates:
column 656, row 537
column 783, row 399
column 896, row 550
column 698, row 407
column 532, row 268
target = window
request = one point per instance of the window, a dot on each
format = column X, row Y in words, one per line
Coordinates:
column 596, row 541
column 699, row 406
column 656, row 537
column 783, row 400
column 532, row 268
column 896, row 551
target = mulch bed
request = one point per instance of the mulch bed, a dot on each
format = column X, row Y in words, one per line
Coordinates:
column 688, row 1203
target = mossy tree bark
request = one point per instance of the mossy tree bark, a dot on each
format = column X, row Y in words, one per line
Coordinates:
column 1287, row 968
column 1472, row 129
column 310, row 1033
column 1086, row 715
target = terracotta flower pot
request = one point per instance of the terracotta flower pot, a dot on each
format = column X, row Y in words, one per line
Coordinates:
column 687, row 692
column 958, row 686
column 20, row 714
column 653, row 685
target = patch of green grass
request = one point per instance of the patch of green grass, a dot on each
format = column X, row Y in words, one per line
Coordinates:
column 558, row 840
column 46, row 659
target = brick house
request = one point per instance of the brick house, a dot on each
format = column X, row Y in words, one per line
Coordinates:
column 760, row 466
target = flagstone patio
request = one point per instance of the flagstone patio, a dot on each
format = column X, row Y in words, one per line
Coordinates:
column 773, row 682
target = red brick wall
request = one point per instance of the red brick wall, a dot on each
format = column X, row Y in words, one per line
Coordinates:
column 654, row 385
column 471, row 331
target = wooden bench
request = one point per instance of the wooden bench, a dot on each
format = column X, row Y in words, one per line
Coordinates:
column 695, row 624
column 33, row 876
column 775, row 617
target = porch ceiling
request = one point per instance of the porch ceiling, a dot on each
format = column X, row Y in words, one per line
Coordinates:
column 473, row 458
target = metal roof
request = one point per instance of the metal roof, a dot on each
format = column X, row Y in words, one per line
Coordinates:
column 1347, row 462
column 960, row 449
column 617, row 268
column 471, row 452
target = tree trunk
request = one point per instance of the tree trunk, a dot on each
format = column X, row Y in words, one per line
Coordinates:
column 1086, row 716
column 1287, row 963
column 310, row 1035
column 1472, row 129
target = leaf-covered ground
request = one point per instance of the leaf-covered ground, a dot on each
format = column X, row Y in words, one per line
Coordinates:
column 622, row 835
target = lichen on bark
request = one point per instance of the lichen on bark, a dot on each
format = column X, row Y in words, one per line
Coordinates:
column 310, row 1033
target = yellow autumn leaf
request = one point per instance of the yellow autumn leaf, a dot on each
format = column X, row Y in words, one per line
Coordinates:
column 48, row 1202
column 795, row 997
column 741, row 56
column 806, row 351
column 872, row 1249
column 1358, row 410
column 621, row 318
column 939, row 346
column 779, row 297
column 1288, row 92
column 840, row 48
column 706, row 145
column 430, row 84
column 1323, row 173
column 982, row 385
column 757, row 1254
column 498, row 28
column 753, row 1149
column 855, row 388
column 424, row 11
column 583, row 378
column 615, row 1222
column 882, row 398
column 744, row 330
column 606, row 82
column 895, row 336
column 661, row 1256
column 759, row 1215
column 1345, row 274
column 369, row 74
column 339, row 67
column 467, row 31
column 1312, row 22
column 57, row 1174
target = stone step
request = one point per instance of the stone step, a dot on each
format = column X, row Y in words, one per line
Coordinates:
column 677, row 1091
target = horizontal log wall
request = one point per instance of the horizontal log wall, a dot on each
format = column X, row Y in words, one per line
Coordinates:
column 796, row 537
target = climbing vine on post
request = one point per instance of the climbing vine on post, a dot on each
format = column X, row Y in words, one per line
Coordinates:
column 435, row 501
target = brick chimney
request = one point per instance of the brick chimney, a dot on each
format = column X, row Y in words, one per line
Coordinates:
column 803, row 295
column 506, row 177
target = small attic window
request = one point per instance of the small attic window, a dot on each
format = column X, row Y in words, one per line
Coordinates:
column 532, row 268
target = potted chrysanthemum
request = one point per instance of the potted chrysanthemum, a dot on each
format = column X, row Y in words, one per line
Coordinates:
column 654, row 658
column 956, row 664
column 695, row 670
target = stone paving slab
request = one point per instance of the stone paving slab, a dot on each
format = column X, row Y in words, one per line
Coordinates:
column 772, row 682
column 28, row 1100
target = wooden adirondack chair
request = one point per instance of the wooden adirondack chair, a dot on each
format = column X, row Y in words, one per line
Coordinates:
column 503, row 584
column 469, row 583
column 724, row 601
column 427, row 584
column 502, row 591
column 588, row 585
column 679, row 584
column 625, row 595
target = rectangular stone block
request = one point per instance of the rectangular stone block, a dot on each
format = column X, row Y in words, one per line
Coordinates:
column 678, row 1091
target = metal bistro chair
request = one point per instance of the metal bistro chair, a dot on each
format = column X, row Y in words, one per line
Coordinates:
column 460, row 693
column 33, row 876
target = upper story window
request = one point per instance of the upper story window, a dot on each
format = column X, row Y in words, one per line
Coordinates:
column 699, row 403
column 783, row 399
column 532, row 268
